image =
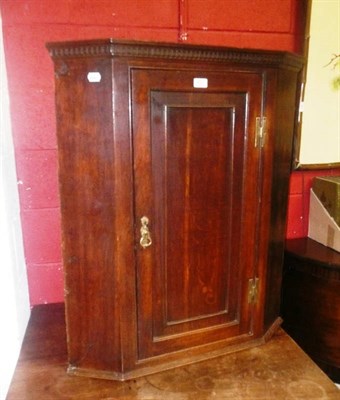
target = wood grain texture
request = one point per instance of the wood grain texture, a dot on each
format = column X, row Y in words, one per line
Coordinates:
column 277, row 370
column 191, row 163
column 144, row 141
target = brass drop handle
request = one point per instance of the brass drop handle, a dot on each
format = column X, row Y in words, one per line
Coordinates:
column 145, row 238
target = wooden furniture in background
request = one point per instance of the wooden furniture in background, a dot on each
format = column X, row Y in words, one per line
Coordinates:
column 278, row 370
column 174, row 164
column 311, row 301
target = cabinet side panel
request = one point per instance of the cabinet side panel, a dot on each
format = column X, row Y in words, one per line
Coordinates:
column 86, row 174
column 286, row 109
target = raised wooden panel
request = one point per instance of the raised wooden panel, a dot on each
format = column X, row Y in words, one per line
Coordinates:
column 194, row 233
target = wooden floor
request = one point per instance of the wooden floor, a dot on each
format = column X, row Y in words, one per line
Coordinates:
column 277, row 370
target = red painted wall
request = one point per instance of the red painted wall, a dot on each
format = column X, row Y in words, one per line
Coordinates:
column 29, row 24
column 298, row 208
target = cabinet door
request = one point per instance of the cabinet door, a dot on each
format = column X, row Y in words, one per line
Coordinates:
column 196, row 171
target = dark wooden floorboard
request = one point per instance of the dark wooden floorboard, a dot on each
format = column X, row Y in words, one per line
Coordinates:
column 277, row 370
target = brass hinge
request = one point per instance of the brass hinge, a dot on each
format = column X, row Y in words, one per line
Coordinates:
column 253, row 289
column 260, row 131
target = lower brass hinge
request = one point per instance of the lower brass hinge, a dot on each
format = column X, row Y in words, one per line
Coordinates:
column 253, row 289
column 261, row 130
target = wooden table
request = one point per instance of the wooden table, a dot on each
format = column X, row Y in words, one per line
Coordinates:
column 277, row 370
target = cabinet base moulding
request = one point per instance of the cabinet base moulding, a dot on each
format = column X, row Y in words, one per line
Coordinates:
column 170, row 361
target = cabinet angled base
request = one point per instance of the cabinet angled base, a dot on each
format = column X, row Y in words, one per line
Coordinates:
column 169, row 361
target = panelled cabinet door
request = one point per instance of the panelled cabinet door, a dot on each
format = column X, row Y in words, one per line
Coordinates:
column 195, row 175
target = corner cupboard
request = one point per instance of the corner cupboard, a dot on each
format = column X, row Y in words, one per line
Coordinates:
column 174, row 163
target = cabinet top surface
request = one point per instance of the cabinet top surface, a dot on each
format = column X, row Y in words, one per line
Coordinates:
column 112, row 48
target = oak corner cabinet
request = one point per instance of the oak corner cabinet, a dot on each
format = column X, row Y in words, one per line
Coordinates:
column 174, row 163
